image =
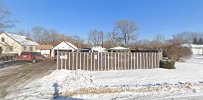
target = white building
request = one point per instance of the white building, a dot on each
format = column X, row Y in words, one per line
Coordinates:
column 98, row 49
column 15, row 44
column 195, row 48
column 119, row 49
column 63, row 46
column 45, row 50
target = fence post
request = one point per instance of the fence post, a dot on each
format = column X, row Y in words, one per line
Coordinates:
column 94, row 61
column 98, row 61
column 108, row 61
column 105, row 61
column 57, row 59
column 91, row 62
column 118, row 61
column 69, row 60
column 84, row 61
column 146, row 57
column 101, row 61
column 140, row 61
column 134, row 60
column 61, row 61
column 80, row 60
column 128, row 54
column 111, row 60
column 73, row 65
column 153, row 60
column 121, row 61
column 115, row 60
column 66, row 60
column 124, row 60
column 76, row 60
column 87, row 61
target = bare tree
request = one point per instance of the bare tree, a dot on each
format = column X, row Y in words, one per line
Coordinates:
column 158, row 42
column 186, row 37
column 27, row 34
column 127, row 30
column 113, row 39
column 37, row 34
column 76, row 40
column 95, row 37
column 24, row 33
column 6, row 20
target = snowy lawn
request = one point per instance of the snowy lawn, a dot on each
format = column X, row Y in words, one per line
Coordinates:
column 185, row 80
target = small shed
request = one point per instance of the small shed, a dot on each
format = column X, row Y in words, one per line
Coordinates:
column 119, row 49
column 197, row 49
column 63, row 47
column 45, row 50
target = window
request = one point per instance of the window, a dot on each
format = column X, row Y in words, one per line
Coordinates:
column 11, row 48
column 31, row 48
column 2, row 39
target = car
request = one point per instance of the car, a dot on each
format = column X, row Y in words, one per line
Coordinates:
column 31, row 57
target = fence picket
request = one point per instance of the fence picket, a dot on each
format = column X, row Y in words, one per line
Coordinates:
column 101, row 61
column 115, row 60
column 65, row 61
column 91, row 61
column 108, row 61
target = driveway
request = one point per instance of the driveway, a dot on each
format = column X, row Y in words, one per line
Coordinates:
column 14, row 75
column 10, row 64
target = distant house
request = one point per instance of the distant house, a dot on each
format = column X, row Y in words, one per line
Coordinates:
column 98, row 49
column 119, row 49
column 196, row 49
column 45, row 50
column 15, row 44
column 63, row 46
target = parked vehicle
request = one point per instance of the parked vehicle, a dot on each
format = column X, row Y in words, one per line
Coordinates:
column 31, row 57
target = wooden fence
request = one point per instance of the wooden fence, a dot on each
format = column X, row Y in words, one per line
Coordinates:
column 108, row 61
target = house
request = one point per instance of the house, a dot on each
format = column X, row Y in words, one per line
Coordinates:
column 15, row 44
column 45, row 50
column 98, row 49
column 63, row 46
column 196, row 49
column 119, row 49
column 85, row 50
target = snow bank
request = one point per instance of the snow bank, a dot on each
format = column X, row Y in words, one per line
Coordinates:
column 65, row 80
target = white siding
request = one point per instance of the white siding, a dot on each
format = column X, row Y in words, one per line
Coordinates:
column 17, row 48
column 44, row 52
column 197, row 51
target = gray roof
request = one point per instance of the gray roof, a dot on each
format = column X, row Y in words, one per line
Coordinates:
column 22, row 40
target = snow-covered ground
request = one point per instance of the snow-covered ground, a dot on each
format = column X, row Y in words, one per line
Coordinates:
column 186, row 80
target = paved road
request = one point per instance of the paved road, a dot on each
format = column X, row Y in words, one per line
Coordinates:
column 15, row 75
